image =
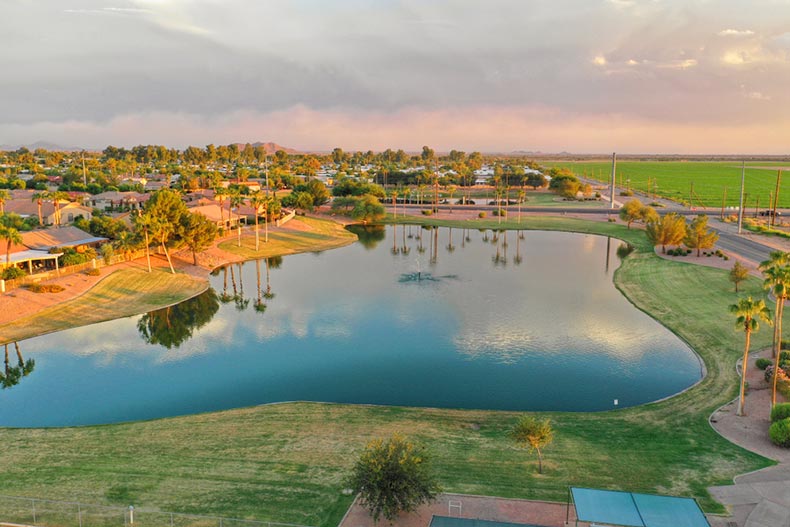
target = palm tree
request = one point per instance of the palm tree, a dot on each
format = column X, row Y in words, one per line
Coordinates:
column 5, row 195
column 10, row 234
column 220, row 193
column 144, row 221
column 745, row 312
column 260, row 305
column 522, row 195
column 236, row 200
column 257, row 201
column 39, row 198
column 126, row 243
column 776, row 271
column 56, row 198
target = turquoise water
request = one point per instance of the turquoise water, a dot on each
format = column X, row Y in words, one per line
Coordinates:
column 437, row 318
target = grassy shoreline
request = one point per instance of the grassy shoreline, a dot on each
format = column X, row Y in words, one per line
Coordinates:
column 286, row 462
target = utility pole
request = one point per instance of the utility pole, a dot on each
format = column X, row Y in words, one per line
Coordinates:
column 84, row 172
column 611, row 186
column 740, row 208
column 776, row 197
column 691, row 195
column 723, row 201
column 757, row 207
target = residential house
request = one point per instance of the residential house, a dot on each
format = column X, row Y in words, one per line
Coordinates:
column 119, row 200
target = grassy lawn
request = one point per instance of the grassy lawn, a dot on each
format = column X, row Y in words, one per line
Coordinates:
column 287, row 462
column 674, row 178
column 123, row 293
column 318, row 235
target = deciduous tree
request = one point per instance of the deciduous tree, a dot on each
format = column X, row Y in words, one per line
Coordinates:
column 738, row 274
column 533, row 434
column 699, row 236
column 393, row 476
column 670, row 229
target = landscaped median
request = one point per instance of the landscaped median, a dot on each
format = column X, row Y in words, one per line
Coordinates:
column 287, row 462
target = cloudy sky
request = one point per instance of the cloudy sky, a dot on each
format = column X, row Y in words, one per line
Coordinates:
column 635, row 76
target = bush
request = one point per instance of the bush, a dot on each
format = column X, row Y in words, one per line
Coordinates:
column 92, row 272
column 502, row 213
column 612, row 220
column 46, row 288
column 624, row 249
column 481, row 215
column 626, row 192
column 780, row 411
column 779, row 432
column 12, row 273
column 427, row 212
column 762, row 363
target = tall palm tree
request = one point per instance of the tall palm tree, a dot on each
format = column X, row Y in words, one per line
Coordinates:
column 144, row 221
column 5, row 195
column 125, row 243
column 776, row 271
column 56, row 198
column 259, row 201
column 220, row 193
column 522, row 195
column 747, row 311
column 236, row 200
column 39, row 198
column 10, row 234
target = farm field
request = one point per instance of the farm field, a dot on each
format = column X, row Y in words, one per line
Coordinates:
column 674, row 179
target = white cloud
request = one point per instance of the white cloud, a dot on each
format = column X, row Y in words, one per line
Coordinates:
column 599, row 60
column 757, row 96
column 735, row 33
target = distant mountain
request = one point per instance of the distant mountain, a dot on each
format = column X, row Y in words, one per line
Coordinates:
column 269, row 147
column 46, row 145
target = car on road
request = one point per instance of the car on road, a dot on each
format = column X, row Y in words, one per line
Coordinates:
column 769, row 212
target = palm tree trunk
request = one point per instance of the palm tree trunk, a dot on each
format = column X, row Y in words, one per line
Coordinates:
column 257, row 237
column 742, row 399
column 147, row 249
column 780, row 308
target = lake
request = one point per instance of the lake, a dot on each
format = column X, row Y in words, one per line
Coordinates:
column 407, row 316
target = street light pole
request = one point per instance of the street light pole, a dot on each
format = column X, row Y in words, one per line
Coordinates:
column 740, row 208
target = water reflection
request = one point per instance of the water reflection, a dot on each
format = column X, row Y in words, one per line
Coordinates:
column 12, row 375
column 172, row 326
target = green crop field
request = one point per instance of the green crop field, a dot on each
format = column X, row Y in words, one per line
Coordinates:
column 674, row 180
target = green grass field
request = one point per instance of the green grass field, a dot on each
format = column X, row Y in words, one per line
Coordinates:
column 287, row 462
column 123, row 293
column 317, row 235
column 673, row 179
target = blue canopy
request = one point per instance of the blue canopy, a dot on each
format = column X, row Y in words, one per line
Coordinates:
column 628, row 509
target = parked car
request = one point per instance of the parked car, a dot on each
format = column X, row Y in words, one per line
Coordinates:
column 769, row 212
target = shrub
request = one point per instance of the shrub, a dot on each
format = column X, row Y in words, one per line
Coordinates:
column 780, row 411
column 785, row 345
column 12, row 273
column 624, row 249
column 46, row 288
column 92, row 272
column 779, row 432
column 612, row 220
column 762, row 363
column 481, row 215
column 427, row 212
column 626, row 192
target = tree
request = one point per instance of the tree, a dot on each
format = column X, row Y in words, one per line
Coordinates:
column 699, row 236
column 5, row 195
column 393, row 476
column 631, row 212
column 667, row 230
column 143, row 222
column 38, row 198
column 776, row 271
column 367, row 209
column 198, row 233
column 746, row 312
column 172, row 326
column 533, row 434
column 9, row 232
column 738, row 274
column 259, row 201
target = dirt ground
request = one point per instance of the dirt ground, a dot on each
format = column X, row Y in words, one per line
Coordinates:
column 542, row 513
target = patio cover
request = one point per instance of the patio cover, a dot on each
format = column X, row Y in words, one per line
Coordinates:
column 629, row 509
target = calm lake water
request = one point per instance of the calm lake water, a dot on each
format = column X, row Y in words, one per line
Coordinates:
column 438, row 318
